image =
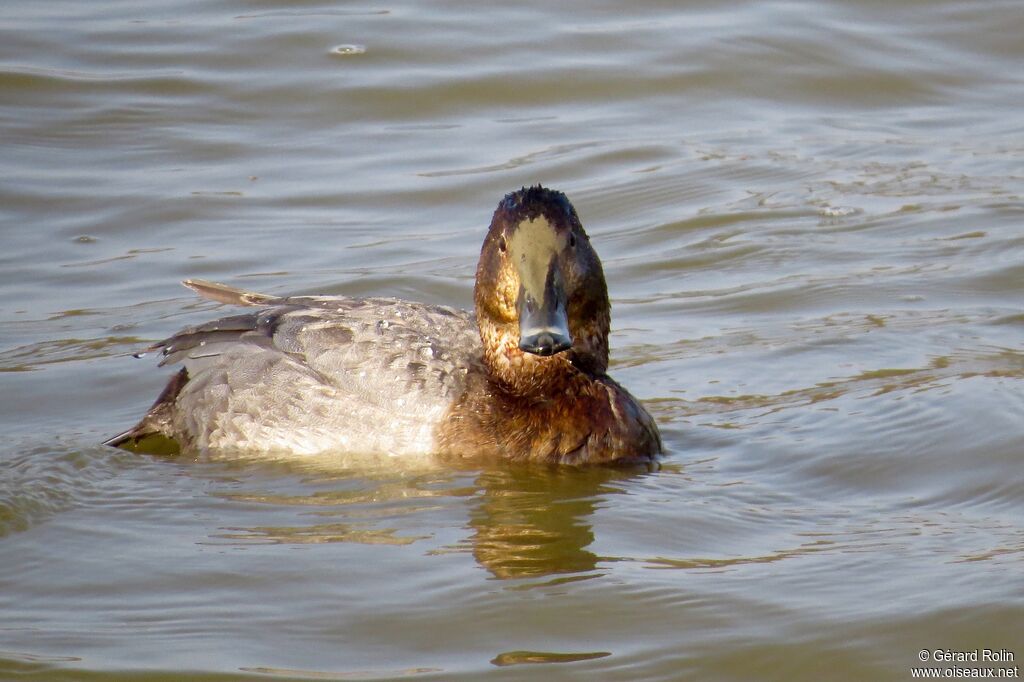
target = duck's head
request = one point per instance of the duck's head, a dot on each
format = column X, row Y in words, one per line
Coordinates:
column 541, row 298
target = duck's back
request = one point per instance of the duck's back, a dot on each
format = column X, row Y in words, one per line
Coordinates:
column 314, row 374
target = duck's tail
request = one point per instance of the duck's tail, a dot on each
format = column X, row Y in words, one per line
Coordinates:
column 222, row 293
column 151, row 433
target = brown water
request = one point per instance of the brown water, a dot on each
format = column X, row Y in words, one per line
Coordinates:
column 811, row 221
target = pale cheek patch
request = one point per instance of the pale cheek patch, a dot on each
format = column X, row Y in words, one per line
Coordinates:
column 507, row 293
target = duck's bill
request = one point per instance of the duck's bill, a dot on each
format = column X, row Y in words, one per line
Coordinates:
column 545, row 343
column 544, row 329
column 543, row 323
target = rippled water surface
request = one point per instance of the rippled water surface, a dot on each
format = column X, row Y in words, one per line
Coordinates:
column 811, row 221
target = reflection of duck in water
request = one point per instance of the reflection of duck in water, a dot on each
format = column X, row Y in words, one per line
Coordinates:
column 523, row 521
column 525, row 380
column 534, row 522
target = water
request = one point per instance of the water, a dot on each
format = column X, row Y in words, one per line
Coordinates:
column 811, row 221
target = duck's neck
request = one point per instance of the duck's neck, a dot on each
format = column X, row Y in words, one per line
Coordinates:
column 590, row 420
column 529, row 376
column 569, row 417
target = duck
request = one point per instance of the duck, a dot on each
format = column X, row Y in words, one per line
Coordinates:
column 522, row 378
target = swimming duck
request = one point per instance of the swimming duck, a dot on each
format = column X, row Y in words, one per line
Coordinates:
column 525, row 379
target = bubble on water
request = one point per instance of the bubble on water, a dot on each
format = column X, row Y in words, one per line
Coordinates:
column 838, row 211
column 348, row 50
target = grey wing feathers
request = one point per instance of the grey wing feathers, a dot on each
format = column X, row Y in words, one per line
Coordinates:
column 201, row 340
column 383, row 346
column 336, row 336
column 307, row 374
column 231, row 328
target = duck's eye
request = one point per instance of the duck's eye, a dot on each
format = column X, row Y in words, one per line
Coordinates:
column 502, row 246
column 572, row 240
